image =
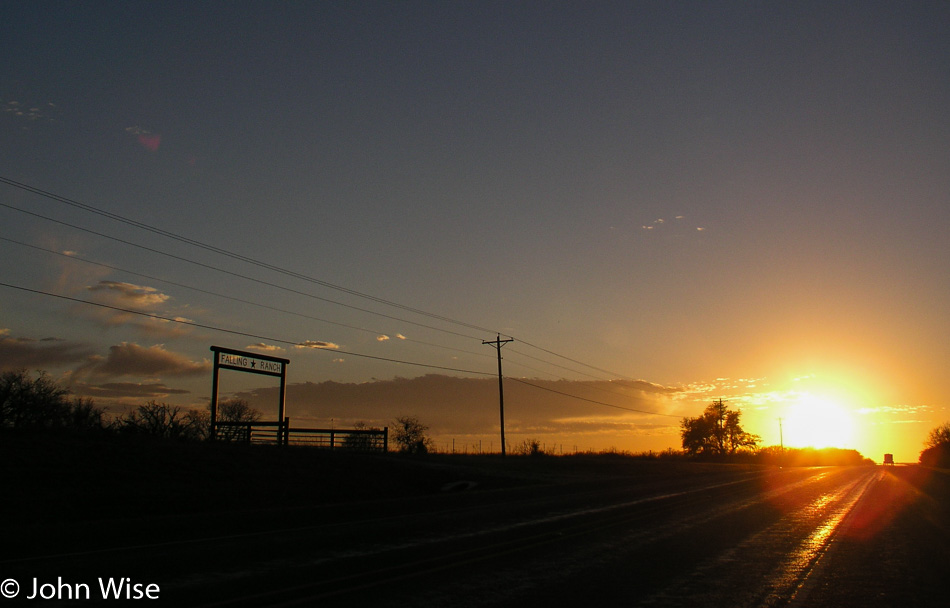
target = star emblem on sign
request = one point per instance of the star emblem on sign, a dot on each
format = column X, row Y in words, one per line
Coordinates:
column 253, row 363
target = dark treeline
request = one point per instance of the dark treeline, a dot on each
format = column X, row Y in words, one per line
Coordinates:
column 36, row 403
column 937, row 448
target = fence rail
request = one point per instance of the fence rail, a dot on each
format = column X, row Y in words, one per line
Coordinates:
column 281, row 433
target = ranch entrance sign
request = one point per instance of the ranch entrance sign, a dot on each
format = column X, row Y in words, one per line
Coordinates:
column 254, row 363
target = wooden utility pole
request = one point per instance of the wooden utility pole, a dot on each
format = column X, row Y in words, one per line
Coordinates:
column 498, row 343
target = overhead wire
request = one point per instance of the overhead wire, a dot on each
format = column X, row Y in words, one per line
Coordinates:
column 274, row 268
column 73, row 257
column 300, row 344
column 232, row 273
column 77, row 258
column 619, row 407
column 288, row 289
column 231, row 254
column 238, row 333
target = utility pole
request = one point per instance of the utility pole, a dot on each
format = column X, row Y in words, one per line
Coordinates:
column 498, row 343
column 781, row 440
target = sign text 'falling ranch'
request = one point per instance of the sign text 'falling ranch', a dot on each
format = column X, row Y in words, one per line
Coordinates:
column 251, row 364
column 242, row 361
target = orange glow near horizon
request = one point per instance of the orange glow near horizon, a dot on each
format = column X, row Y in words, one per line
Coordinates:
column 818, row 421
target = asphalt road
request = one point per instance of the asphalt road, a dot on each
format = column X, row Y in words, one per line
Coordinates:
column 863, row 536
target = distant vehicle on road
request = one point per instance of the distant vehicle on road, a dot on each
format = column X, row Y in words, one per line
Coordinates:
column 889, row 459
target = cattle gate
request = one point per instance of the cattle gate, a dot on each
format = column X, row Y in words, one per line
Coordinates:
column 279, row 432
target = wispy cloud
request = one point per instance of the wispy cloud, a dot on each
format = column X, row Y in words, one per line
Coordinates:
column 133, row 300
column 126, row 390
column 30, row 113
column 17, row 352
column 316, row 344
column 265, row 348
column 898, row 414
column 676, row 225
column 129, row 295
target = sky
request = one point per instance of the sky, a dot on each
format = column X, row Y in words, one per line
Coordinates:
column 661, row 204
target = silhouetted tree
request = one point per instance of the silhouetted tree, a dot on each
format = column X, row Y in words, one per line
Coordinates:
column 156, row 419
column 529, row 447
column 409, row 435
column 237, row 411
column 937, row 447
column 716, row 432
column 199, row 424
column 939, row 436
column 40, row 403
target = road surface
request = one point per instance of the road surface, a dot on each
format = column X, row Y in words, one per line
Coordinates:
column 835, row 536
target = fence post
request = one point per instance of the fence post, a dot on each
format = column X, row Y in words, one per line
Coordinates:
column 286, row 430
column 385, row 439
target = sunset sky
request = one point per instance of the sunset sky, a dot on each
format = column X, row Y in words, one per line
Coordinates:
column 662, row 203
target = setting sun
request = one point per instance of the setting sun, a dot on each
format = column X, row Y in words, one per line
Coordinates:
column 817, row 421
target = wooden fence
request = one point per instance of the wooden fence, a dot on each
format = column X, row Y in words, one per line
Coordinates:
column 281, row 433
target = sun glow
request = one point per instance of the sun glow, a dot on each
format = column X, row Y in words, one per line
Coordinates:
column 819, row 422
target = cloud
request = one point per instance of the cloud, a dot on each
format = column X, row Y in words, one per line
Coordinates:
column 136, row 299
column 266, row 348
column 468, row 406
column 316, row 344
column 30, row 113
column 29, row 353
column 130, row 359
column 129, row 295
column 148, row 140
column 126, row 390
column 675, row 226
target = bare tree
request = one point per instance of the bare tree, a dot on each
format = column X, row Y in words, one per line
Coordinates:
column 155, row 419
column 939, row 436
column 241, row 417
column 410, row 435
column 40, row 403
column 937, row 447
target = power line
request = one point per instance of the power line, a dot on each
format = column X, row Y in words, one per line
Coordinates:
column 227, row 253
column 237, row 333
column 246, row 259
column 233, row 274
column 619, row 407
column 551, row 352
column 564, row 367
column 227, row 297
column 302, row 293
column 335, row 351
